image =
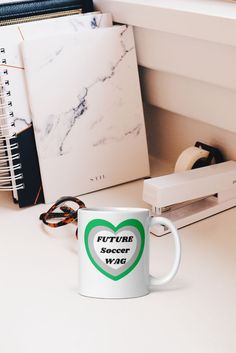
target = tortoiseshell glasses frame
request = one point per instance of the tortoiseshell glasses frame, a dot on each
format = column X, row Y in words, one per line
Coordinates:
column 68, row 214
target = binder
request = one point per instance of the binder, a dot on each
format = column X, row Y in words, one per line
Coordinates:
column 19, row 167
column 19, row 172
column 10, row 169
column 86, row 105
column 24, row 11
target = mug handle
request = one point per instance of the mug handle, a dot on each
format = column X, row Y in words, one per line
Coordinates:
column 175, row 266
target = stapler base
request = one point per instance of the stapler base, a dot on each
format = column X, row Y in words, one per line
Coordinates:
column 193, row 212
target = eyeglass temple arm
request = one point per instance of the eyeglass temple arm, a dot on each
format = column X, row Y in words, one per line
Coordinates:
column 67, row 211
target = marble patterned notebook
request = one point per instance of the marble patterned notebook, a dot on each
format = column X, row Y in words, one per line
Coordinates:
column 12, row 74
column 86, row 105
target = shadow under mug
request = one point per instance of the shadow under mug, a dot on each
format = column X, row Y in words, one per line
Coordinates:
column 114, row 252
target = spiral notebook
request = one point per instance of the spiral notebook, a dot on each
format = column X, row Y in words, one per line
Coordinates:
column 86, row 104
column 19, row 167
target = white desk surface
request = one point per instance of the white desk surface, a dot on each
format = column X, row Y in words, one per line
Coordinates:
column 41, row 311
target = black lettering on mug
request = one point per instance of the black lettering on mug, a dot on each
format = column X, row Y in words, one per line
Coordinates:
column 115, row 261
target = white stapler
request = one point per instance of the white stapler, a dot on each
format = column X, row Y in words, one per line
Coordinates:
column 189, row 196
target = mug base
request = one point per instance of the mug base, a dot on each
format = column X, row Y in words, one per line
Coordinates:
column 132, row 296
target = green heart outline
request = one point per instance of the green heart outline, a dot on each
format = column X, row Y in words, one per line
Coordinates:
column 101, row 222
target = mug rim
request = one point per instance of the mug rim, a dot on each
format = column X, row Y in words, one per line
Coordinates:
column 114, row 209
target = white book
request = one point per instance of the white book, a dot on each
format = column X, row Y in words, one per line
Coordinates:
column 28, row 189
column 87, row 112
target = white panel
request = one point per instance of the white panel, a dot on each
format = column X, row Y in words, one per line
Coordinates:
column 201, row 60
column 212, row 20
column 195, row 99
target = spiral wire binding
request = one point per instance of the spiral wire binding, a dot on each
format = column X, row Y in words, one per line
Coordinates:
column 10, row 170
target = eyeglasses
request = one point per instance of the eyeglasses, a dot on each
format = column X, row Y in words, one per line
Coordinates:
column 61, row 213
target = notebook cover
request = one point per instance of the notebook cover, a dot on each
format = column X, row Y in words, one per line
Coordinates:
column 87, row 111
column 11, row 37
column 32, row 193
column 18, row 9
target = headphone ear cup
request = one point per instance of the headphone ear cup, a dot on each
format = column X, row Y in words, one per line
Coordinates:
column 202, row 162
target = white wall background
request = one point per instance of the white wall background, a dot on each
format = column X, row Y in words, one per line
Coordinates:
column 169, row 134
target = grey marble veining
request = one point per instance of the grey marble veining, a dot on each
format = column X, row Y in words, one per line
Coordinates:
column 111, row 139
column 65, row 121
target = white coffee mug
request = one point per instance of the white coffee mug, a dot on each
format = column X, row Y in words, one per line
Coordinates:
column 114, row 252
